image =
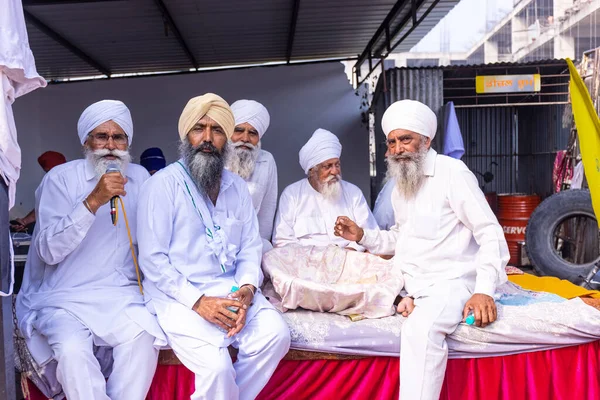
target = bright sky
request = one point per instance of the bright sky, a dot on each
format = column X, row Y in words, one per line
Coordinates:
column 464, row 25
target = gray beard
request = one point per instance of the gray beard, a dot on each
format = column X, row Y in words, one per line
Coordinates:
column 97, row 160
column 206, row 169
column 241, row 161
column 407, row 171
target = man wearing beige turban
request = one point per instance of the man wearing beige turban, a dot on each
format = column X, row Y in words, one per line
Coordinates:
column 200, row 251
column 255, row 165
column 308, row 208
column 447, row 243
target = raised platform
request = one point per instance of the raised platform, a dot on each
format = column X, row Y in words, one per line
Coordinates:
column 566, row 373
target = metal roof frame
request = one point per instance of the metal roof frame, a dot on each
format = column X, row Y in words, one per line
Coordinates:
column 386, row 48
column 118, row 38
column 171, row 23
column 65, row 43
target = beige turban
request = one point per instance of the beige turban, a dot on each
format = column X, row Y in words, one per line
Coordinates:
column 322, row 146
column 411, row 115
column 209, row 105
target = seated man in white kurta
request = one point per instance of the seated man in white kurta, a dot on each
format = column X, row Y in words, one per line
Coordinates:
column 198, row 238
column 448, row 245
column 80, row 287
column 255, row 165
column 308, row 208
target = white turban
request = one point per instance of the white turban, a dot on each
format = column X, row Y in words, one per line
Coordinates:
column 101, row 112
column 252, row 112
column 410, row 115
column 322, row 146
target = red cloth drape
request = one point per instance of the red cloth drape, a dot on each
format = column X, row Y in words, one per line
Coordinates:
column 567, row 373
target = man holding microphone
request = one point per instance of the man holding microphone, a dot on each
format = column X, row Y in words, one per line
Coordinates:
column 80, row 288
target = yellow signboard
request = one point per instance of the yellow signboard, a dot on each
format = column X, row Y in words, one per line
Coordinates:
column 507, row 83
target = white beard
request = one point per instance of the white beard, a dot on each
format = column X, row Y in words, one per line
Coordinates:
column 242, row 161
column 331, row 189
column 407, row 171
column 97, row 159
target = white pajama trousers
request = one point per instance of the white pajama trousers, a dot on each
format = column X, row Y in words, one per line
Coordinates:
column 78, row 370
column 423, row 349
column 262, row 343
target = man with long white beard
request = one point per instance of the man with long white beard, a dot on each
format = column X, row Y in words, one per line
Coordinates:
column 308, row 208
column 199, row 243
column 255, row 165
column 80, row 288
column 447, row 241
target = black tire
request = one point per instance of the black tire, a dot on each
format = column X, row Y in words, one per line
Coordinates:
column 539, row 236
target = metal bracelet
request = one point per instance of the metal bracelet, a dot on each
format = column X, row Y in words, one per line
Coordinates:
column 87, row 205
column 250, row 287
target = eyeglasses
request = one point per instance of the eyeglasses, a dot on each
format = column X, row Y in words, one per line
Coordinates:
column 102, row 138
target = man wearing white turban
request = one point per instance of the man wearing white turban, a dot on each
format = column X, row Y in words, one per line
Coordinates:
column 255, row 165
column 308, row 208
column 447, row 243
column 80, row 287
column 199, row 243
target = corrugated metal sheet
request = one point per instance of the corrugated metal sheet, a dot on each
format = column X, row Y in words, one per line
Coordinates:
column 490, row 136
column 337, row 28
column 541, row 135
column 52, row 59
column 132, row 36
column 424, row 85
column 513, row 67
column 126, row 36
column 517, row 145
column 234, row 31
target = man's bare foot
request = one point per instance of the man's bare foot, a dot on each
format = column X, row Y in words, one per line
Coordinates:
column 406, row 306
column 592, row 302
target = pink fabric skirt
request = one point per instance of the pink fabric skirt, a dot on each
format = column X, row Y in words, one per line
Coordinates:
column 566, row 373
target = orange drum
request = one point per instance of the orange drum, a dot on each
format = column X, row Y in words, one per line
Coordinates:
column 514, row 211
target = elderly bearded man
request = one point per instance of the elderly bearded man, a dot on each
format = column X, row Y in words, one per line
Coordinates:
column 308, row 208
column 80, row 286
column 447, row 241
column 198, row 240
column 255, row 165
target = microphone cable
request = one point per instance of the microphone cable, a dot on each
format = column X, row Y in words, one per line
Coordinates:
column 137, row 267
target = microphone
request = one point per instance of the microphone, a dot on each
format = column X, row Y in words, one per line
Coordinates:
column 113, row 167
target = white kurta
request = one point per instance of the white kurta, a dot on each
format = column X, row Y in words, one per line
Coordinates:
column 18, row 77
column 447, row 231
column 178, row 269
column 80, row 264
column 262, row 185
column 307, row 218
column 448, row 244
column 383, row 210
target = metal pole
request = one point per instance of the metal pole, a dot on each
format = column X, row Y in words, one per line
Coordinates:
column 7, row 351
